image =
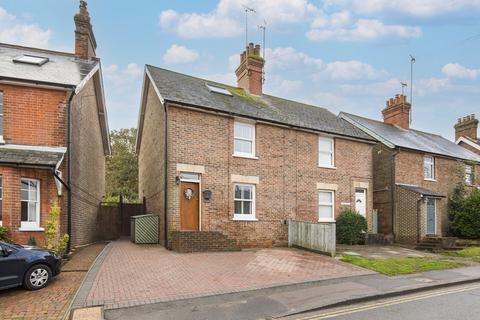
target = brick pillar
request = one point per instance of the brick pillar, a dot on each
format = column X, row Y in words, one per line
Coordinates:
column 397, row 111
column 250, row 72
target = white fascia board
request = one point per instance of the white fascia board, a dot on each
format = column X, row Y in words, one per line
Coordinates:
column 469, row 142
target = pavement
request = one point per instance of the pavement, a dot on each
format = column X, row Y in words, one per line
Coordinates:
column 52, row 302
column 127, row 275
column 294, row 300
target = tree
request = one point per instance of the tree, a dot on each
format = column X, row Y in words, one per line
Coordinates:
column 465, row 220
column 122, row 165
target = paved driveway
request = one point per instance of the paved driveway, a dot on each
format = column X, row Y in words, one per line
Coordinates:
column 130, row 274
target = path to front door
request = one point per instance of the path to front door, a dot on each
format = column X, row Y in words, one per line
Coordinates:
column 189, row 206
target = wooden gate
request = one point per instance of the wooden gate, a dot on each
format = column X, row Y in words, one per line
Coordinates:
column 113, row 220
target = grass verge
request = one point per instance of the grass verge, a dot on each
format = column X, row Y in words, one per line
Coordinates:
column 464, row 253
column 399, row 266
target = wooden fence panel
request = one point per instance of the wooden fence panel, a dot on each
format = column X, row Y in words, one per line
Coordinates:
column 313, row 236
column 109, row 222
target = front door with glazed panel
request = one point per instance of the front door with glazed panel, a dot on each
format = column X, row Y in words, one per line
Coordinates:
column 189, row 206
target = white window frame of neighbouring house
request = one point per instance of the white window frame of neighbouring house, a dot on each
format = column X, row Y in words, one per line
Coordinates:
column 429, row 168
column 242, row 200
column 325, row 204
column 326, row 152
column 244, row 137
column 30, row 201
column 469, row 176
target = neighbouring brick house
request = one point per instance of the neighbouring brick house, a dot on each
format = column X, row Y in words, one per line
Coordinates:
column 54, row 137
column 228, row 166
column 466, row 133
column 414, row 173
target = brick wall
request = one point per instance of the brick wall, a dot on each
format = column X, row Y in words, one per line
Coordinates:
column 287, row 169
column 383, row 164
column 151, row 159
column 202, row 241
column 448, row 173
column 88, row 165
column 32, row 116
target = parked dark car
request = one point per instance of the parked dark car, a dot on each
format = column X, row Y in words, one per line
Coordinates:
column 28, row 266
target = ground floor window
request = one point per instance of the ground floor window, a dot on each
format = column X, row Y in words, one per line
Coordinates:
column 326, row 205
column 30, row 204
column 244, row 201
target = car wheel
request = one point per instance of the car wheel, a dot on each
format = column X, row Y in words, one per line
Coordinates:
column 37, row 277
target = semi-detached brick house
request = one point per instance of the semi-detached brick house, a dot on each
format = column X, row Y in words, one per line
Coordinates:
column 228, row 166
column 54, row 137
column 414, row 173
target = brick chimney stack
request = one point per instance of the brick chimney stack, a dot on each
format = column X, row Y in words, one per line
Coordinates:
column 85, row 43
column 397, row 111
column 466, row 127
column 250, row 72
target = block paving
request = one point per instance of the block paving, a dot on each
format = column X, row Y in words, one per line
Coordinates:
column 141, row 274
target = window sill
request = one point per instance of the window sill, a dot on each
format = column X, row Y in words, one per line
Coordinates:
column 328, row 167
column 237, row 218
column 26, row 229
column 431, row 180
column 327, row 221
column 244, row 156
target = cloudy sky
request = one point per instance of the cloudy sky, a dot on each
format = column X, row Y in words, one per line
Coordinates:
column 346, row 55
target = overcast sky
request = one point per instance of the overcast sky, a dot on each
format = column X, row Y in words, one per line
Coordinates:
column 346, row 55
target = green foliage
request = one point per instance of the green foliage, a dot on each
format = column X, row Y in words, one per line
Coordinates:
column 464, row 253
column 464, row 214
column 53, row 240
column 405, row 265
column 110, row 198
column 122, row 165
column 4, row 234
column 351, row 228
column 241, row 93
column 32, row 241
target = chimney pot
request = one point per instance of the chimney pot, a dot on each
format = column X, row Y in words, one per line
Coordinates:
column 397, row 111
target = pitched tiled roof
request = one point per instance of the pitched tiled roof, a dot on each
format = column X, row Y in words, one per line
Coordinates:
column 421, row 190
column 411, row 139
column 61, row 69
column 184, row 89
column 34, row 157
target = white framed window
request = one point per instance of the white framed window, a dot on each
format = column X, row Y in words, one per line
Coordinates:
column 326, row 205
column 1, row 200
column 244, row 202
column 469, row 177
column 244, row 140
column 429, row 168
column 30, row 204
column 326, row 152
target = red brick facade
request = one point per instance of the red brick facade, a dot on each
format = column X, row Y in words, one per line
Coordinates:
column 287, row 171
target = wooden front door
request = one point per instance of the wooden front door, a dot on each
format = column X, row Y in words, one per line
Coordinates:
column 189, row 206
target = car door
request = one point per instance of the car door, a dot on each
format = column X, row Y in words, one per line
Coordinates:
column 11, row 267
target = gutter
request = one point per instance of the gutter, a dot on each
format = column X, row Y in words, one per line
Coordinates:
column 69, row 171
column 166, row 180
column 38, row 83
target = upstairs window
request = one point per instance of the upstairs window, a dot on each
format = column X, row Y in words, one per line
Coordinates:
column 244, row 139
column 469, row 175
column 30, row 204
column 326, row 153
column 429, row 168
column 1, row 117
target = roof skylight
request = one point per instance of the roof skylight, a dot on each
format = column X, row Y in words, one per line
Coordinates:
column 29, row 59
column 216, row 89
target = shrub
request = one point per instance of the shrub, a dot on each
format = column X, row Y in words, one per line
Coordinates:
column 351, row 228
column 465, row 215
column 53, row 240
column 4, row 234
column 32, row 241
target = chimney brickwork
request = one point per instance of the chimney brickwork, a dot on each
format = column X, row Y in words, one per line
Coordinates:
column 467, row 127
column 250, row 72
column 85, row 44
column 397, row 111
